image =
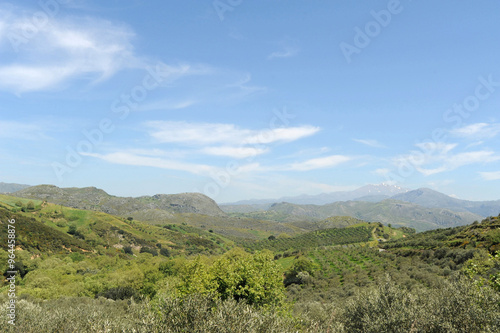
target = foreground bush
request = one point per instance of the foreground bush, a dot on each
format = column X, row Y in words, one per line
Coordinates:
column 75, row 315
column 197, row 313
column 457, row 306
column 191, row 314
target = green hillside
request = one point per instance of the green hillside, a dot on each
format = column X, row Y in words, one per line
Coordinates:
column 40, row 227
column 186, row 208
column 478, row 235
column 307, row 276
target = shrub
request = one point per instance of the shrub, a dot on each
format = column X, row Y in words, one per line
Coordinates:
column 168, row 315
column 168, row 268
column 147, row 249
column 254, row 278
column 165, row 252
column 300, row 265
column 30, row 206
column 456, row 306
column 19, row 267
column 61, row 224
column 119, row 293
column 128, row 249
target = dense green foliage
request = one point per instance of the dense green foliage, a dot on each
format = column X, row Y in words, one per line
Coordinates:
column 457, row 306
column 256, row 278
column 101, row 273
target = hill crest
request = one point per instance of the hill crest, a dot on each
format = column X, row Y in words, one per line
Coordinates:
column 92, row 198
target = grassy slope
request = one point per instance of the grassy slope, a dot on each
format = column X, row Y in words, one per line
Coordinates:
column 485, row 235
column 100, row 229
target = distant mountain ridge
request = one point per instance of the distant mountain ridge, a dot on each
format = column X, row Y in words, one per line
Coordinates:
column 160, row 206
column 424, row 197
column 421, row 209
column 398, row 213
column 433, row 199
column 380, row 191
column 11, row 187
column 387, row 211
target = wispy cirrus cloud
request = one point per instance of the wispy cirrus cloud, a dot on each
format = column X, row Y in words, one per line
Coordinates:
column 438, row 157
column 477, row 131
column 287, row 52
column 227, row 134
column 235, row 152
column 63, row 49
column 243, row 88
column 166, row 105
column 319, row 163
column 191, row 140
column 371, row 143
column 155, row 159
column 136, row 159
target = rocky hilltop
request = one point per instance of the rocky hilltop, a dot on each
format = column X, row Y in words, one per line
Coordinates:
column 159, row 206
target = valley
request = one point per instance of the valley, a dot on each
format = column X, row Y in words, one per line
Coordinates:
column 160, row 251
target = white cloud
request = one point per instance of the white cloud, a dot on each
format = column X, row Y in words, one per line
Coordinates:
column 382, row 171
column 166, row 105
column 235, row 152
column 320, row 163
column 371, row 143
column 474, row 144
column 435, row 148
column 2, row 27
column 481, row 156
column 286, row 53
column 214, row 133
column 428, row 172
column 477, row 131
column 437, row 157
column 494, row 175
column 127, row 158
column 243, row 88
column 60, row 50
column 155, row 159
column 31, row 78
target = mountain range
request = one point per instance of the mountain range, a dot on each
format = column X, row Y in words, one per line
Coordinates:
column 424, row 197
column 422, row 209
column 366, row 193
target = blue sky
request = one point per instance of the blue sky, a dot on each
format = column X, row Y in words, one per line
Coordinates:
column 251, row 99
